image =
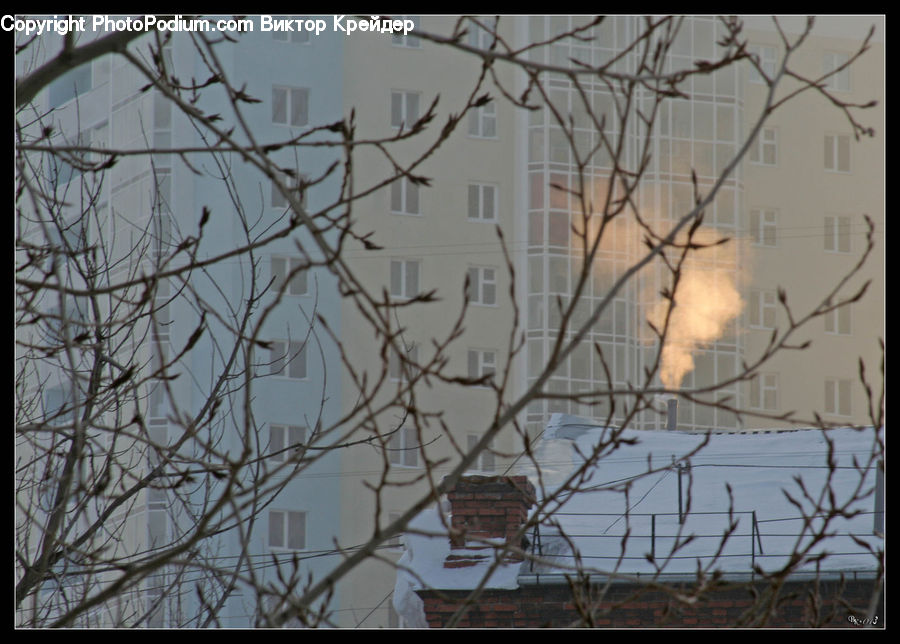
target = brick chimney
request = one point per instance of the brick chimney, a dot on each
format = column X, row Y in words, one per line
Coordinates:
column 486, row 507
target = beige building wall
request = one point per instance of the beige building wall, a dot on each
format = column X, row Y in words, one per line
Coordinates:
column 812, row 248
column 444, row 243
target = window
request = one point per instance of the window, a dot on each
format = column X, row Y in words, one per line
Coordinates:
column 290, row 106
column 762, row 226
column 838, row 321
column 405, row 197
column 485, row 461
column 405, row 278
column 63, row 169
column 838, row 81
column 837, row 153
column 764, row 391
column 71, row 84
column 837, row 396
column 288, row 359
column 482, row 286
column 403, row 447
column 837, row 234
column 291, row 183
column 284, row 440
column 762, row 309
column 298, row 36
column 287, row 529
column 404, row 108
column 482, row 202
column 765, row 149
column 767, row 57
column 58, row 405
column 397, row 368
column 282, row 267
column 483, row 121
column 409, row 40
column 480, row 37
column 482, row 363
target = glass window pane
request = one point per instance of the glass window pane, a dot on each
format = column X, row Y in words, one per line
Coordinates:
column 299, row 106
column 473, row 364
column 298, row 360
column 473, row 202
column 844, row 395
column 488, row 197
column 490, row 296
column 279, row 105
column 397, row 195
column 844, row 234
column 844, row 153
column 412, row 107
column 412, row 279
column 296, row 530
column 412, row 198
column 276, row 529
column 277, row 351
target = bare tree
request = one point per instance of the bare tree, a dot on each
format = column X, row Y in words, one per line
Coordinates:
column 121, row 313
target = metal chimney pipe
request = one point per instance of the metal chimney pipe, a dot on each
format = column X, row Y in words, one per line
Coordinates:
column 672, row 419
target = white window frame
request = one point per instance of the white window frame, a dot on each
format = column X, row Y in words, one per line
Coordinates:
column 768, row 57
column 403, row 448
column 400, row 278
column 481, row 362
column 764, row 226
column 296, row 37
column 839, row 82
column 479, row 279
column 282, row 438
column 764, row 392
column 289, row 99
column 396, row 365
column 833, row 143
column 835, row 389
column 766, row 139
column 478, row 195
column 409, row 103
column 837, row 234
column 288, row 360
column 838, row 321
column 292, row 183
column 283, row 541
column 74, row 83
column 478, row 36
column 486, row 461
column 480, row 118
column 408, row 41
column 403, row 193
column 299, row 282
column 763, row 309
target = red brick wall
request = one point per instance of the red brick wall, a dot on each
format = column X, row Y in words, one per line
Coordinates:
column 489, row 507
column 623, row 606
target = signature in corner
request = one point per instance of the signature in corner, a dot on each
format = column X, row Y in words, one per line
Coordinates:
column 856, row 621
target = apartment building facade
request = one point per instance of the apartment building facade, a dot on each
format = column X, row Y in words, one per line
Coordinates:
column 497, row 171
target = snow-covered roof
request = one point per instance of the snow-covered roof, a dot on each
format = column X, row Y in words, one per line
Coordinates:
column 635, row 488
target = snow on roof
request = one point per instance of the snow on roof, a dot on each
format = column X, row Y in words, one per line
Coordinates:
column 636, row 488
column 760, row 469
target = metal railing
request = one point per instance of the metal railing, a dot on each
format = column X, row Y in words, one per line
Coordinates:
column 676, row 530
